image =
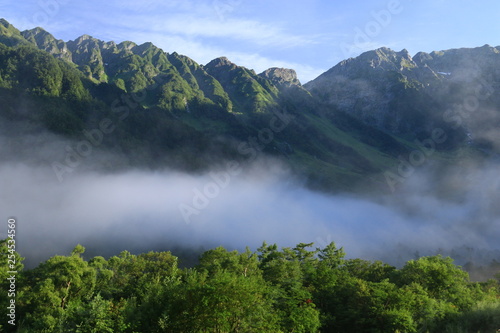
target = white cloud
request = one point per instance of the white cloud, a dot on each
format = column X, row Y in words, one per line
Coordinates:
column 140, row 210
column 252, row 31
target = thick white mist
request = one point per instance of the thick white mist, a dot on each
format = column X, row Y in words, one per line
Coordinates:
column 139, row 210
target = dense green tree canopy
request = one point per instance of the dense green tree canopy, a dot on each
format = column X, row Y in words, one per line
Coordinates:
column 299, row 289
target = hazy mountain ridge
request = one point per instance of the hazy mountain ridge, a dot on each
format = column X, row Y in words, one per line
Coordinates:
column 402, row 94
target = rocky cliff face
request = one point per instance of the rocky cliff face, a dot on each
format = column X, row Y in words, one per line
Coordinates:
column 402, row 94
column 281, row 76
column 368, row 85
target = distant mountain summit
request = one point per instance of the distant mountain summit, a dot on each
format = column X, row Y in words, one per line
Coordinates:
column 402, row 94
column 281, row 76
column 221, row 62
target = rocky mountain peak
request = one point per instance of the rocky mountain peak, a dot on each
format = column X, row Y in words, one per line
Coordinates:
column 47, row 42
column 220, row 62
column 5, row 23
column 282, row 76
column 9, row 35
column 387, row 59
column 109, row 45
column 38, row 35
column 144, row 48
column 83, row 38
column 421, row 57
column 37, row 30
column 127, row 45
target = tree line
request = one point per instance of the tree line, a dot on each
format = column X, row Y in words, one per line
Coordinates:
column 299, row 289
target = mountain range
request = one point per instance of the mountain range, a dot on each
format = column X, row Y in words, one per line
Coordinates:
column 353, row 128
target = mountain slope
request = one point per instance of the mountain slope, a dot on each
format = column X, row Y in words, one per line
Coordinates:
column 347, row 127
column 411, row 96
column 249, row 92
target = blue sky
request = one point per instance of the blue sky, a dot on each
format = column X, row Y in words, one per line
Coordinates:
column 308, row 36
